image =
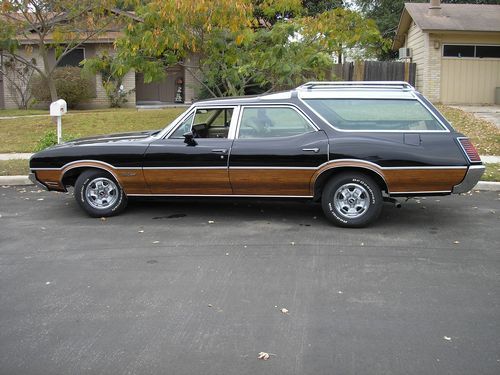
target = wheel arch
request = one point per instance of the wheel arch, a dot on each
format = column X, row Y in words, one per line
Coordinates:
column 71, row 173
column 323, row 177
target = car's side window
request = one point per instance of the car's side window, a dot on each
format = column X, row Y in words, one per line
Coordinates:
column 270, row 122
column 206, row 123
column 376, row 114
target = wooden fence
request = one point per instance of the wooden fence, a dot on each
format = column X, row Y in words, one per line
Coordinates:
column 375, row 71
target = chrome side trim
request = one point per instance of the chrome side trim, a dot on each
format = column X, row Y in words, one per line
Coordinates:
column 420, row 192
column 170, row 168
column 86, row 161
column 220, row 195
column 254, row 167
column 470, row 180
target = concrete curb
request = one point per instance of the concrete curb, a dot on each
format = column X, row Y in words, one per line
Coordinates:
column 487, row 185
column 15, row 180
column 24, row 180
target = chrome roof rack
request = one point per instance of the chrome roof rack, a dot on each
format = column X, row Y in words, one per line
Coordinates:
column 335, row 85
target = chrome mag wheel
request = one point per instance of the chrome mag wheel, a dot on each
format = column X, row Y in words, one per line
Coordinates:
column 101, row 193
column 351, row 200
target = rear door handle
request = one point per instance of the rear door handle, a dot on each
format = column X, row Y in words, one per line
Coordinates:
column 219, row 150
column 315, row 150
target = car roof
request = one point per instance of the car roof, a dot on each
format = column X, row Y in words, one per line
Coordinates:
column 326, row 90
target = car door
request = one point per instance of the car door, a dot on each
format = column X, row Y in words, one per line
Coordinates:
column 200, row 167
column 276, row 152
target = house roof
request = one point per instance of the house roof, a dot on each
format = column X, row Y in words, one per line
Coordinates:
column 451, row 17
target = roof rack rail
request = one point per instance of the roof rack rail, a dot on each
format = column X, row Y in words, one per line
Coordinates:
column 332, row 85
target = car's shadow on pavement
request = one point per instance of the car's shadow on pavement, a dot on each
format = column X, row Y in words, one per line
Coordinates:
column 414, row 213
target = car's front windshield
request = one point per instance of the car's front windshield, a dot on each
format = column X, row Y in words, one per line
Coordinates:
column 166, row 129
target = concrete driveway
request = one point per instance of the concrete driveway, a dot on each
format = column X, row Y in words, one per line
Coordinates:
column 196, row 287
column 489, row 113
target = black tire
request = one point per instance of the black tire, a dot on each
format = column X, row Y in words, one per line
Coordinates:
column 98, row 193
column 351, row 200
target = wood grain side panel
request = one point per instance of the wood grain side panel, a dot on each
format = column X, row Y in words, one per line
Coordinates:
column 132, row 181
column 50, row 178
column 409, row 180
column 405, row 180
column 188, row 181
column 271, row 181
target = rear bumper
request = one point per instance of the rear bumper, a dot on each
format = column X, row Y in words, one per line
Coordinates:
column 33, row 179
column 470, row 180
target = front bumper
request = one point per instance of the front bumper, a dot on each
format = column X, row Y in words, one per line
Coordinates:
column 32, row 177
column 470, row 180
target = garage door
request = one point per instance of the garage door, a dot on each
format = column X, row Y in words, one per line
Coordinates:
column 163, row 91
column 469, row 81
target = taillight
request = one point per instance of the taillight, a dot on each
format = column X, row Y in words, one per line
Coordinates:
column 469, row 149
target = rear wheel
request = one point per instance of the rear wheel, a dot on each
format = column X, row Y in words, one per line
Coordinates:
column 98, row 193
column 351, row 200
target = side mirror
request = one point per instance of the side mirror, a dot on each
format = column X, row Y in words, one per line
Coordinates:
column 189, row 139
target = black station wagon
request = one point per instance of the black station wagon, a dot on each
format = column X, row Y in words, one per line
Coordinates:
column 349, row 145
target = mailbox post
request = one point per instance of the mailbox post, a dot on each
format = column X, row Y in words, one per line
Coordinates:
column 57, row 109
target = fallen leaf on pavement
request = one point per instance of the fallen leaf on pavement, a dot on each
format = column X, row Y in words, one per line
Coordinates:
column 263, row 355
column 447, row 338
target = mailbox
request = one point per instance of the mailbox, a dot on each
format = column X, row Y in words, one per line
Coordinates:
column 58, row 108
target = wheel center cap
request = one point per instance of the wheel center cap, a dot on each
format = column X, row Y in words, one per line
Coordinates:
column 351, row 200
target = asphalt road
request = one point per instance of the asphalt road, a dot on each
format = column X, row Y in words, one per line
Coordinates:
column 196, row 287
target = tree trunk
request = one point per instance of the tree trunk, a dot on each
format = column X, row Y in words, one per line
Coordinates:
column 48, row 72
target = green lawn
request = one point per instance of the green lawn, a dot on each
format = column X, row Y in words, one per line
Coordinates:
column 22, row 134
column 14, row 167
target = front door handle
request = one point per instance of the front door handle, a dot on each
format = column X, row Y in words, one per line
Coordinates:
column 315, row 150
column 219, row 150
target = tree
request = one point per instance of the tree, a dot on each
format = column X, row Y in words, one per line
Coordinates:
column 237, row 49
column 112, row 70
column 46, row 25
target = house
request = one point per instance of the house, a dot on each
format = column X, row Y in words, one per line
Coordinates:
column 161, row 92
column 456, row 48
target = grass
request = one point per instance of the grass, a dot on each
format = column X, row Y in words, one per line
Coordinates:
column 484, row 135
column 22, row 134
column 22, row 112
column 14, row 167
column 492, row 172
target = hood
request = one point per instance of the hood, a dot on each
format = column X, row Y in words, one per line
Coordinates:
column 109, row 138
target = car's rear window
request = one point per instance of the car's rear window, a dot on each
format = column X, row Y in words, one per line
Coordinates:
column 375, row 114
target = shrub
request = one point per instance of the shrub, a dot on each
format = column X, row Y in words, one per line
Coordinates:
column 50, row 139
column 70, row 85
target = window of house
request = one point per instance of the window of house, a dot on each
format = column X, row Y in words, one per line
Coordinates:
column 268, row 122
column 452, row 50
column 488, row 51
column 73, row 58
column 477, row 51
column 375, row 114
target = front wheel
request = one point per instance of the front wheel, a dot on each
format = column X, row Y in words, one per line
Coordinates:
column 351, row 200
column 98, row 193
